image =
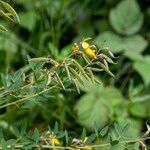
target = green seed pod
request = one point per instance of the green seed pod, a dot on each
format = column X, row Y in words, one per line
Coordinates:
column 80, row 69
column 96, row 80
column 91, row 74
column 86, row 58
column 60, row 81
column 48, row 79
column 105, row 68
column 38, row 59
column 106, row 64
column 76, row 85
column 96, row 69
column 76, row 75
column 67, row 70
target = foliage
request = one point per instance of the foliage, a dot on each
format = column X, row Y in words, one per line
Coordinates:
column 73, row 86
column 56, row 139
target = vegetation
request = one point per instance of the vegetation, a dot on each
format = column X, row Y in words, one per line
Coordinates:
column 61, row 89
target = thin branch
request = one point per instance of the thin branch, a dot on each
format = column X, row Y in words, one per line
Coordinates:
column 80, row 147
column 27, row 98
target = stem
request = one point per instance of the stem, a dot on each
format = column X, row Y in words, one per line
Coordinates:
column 26, row 98
column 82, row 147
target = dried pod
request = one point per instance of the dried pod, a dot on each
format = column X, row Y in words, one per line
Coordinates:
column 101, row 56
column 111, row 54
column 142, row 146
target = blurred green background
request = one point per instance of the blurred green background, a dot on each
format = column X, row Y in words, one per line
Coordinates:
column 49, row 27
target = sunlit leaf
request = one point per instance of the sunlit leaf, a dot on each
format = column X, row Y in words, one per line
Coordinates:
column 104, row 131
column 95, row 106
column 126, row 17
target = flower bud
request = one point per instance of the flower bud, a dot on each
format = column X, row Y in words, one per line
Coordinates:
column 75, row 47
column 85, row 45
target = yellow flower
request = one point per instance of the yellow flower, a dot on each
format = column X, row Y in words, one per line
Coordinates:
column 75, row 47
column 88, row 51
column 85, row 45
column 55, row 141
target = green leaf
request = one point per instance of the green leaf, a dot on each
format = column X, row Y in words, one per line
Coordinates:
column 134, row 44
column 5, row 80
column 32, row 65
column 17, row 76
column 95, row 128
column 23, row 127
column 49, row 128
column 66, row 137
column 29, row 146
column 84, row 134
column 126, row 17
column 125, row 128
column 8, row 44
column 95, row 105
column 143, row 98
column 28, row 20
column 135, row 126
column 142, row 67
column 90, row 139
column 36, row 135
column 55, row 129
column 134, row 56
column 39, row 66
column 139, row 109
column 15, row 86
column 60, row 134
column 15, row 131
column 65, row 51
column 114, row 142
column 53, row 50
column 104, row 131
column 10, row 10
column 117, row 128
column 4, row 144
